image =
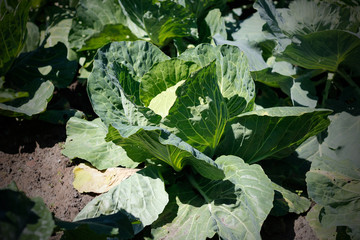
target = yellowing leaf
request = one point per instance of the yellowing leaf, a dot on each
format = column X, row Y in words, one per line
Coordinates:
column 88, row 179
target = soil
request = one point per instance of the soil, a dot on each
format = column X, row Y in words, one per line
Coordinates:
column 30, row 155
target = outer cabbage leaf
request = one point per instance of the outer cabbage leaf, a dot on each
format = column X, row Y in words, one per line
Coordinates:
column 14, row 17
column 59, row 32
column 334, row 184
column 312, row 53
column 97, row 23
column 201, row 7
column 233, row 74
column 289, row 184
column 116, row 226
column 199, row 114
column 272, row 18
column 32, row 38
column 252, row 53
column 300, row 90
column 304, row 17
column 341, row 135
column 46, row 63
column 303, row 93
column 251, row 30
column 23, row 218
column 271, row 132
column 60, row 116
column 286, row 201
column 216, row 23
column 86, row 140
column 39, row 94
column 161, row 21
column 154, row 143
column 328, row 233
column 8, row 94
column 234, row 208
column 273, row 79
column 334, row 178
column 142, row 196
column 89, row 179
column 37, row 72
column 117, row 70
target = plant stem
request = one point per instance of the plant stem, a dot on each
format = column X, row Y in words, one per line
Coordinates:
column 349, row 80
column 327, row 87
column 197, row 187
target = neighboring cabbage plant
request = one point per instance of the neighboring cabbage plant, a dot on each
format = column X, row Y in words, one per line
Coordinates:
column 191, row 123
column 31, row 69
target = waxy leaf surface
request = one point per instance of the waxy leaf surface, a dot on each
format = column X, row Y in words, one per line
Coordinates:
column 86, row 140
column 142, row 196
column 117, row 68
column 334, row 178
column 232, row 71
column 155, row 143
column 271, row 132
column 199, row 114
column 234, row 208
column 97, row 23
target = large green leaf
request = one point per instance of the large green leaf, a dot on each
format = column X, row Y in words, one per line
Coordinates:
column 142, row 196
column 59, row 32
column 334, row 184
column 271, row 132
column 272, row 18
column 252, row 53
column 23, row 218
column 40, row 93
column 251, row 30
column 199, row 114
column 313, row 53
column 234, row 208
column 154, row 143
column 303, row 93
column 14, row 17
column 201, row 7
column 303, row 17
column 334, row 178
column 216, row 23
column 32, row 38
column 323, row 233
column 286, row 201
column 161, row 21
column 98, row 22
column 272, row 79
column 46, row 63
column 118, row 67
column 116, row 226
column 233, row 74
column 341, row 135
column 86, row 140
column 8, row 94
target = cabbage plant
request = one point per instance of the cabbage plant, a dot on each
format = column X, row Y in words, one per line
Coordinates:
column 191, row 124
